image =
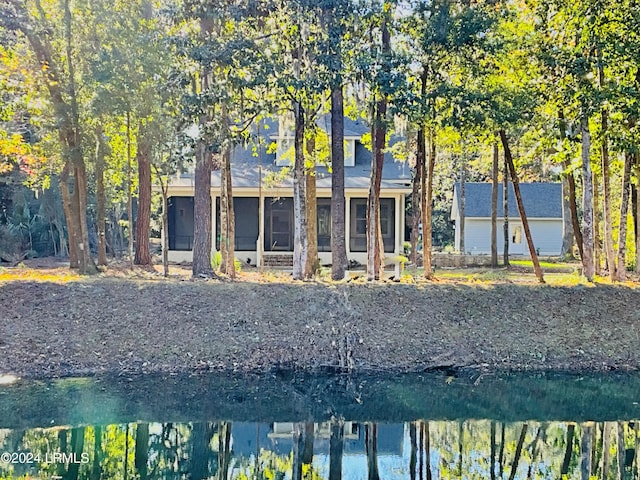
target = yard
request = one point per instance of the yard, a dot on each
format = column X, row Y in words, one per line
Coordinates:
column 55, row 323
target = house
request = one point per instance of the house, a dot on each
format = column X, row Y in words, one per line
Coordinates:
column 264, row 222
column 542, row 204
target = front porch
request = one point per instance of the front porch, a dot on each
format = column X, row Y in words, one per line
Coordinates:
column 265, row 227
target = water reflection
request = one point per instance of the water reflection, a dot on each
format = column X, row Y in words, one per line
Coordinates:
column 338, row 448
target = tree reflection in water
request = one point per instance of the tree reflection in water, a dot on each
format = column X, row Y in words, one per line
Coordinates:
column 338, row 448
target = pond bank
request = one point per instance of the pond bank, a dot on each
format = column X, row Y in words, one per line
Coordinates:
column 126, row 326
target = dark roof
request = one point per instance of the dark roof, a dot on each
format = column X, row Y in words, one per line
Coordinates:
column 245, row 162
column 541, row 200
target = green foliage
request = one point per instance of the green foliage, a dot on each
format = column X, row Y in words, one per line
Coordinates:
column 216, row 260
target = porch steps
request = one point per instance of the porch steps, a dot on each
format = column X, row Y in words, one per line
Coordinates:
column 281, row 260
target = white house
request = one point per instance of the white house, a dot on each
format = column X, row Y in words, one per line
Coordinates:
column 264, row 209
column 542, row 205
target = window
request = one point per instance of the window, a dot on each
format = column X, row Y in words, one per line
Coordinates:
column 324, row 224
column 358, row 224
column 517, row 235
column 284, row 151
column 349, row 153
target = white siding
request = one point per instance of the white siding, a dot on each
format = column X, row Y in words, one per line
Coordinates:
column 547, row 236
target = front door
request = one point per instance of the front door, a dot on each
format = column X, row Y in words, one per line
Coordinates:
column 516, row 237
column 280, row 229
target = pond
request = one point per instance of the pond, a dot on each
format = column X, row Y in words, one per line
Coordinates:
column 286, row 425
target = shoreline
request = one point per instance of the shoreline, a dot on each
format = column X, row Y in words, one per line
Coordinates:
column 115, row 326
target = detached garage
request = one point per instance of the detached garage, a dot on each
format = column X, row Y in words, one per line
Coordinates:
column 542, row 204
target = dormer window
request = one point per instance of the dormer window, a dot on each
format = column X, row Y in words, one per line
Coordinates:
column 349, row 152
column 284, row 144
column 285, row 153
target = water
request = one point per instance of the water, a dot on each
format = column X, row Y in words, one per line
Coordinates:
column 284, row 425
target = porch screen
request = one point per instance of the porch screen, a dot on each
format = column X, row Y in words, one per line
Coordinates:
column 246, row 224
column 358, row 224
column 180, row 223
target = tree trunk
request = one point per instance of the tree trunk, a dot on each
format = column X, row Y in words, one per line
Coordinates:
column 142, row 450
column 375, row 247
column 77, row 447
column 413, row 454
column 298, row 448
column 336, row 443
column 202, row 213
column 227, row 216
column 371, row 444
column 67, row 206
column 427, row 210
column 606, row 448
column 201, row 435
column 309, row 437
column 96, row 466
column 597, row 250
column 505, row 209
column 416, row 209
column 231, row 218
column 129, row 191
column 585, row 451
column 636, row 218
column 202, row 208
column 338, row 203
column 313, row 262
column 421, row 169
column 523, row 215
column 494, row 215
column 568, row 235
column 606, row 179
column 100, row 197
column 501, row 453
column 224, row 450
column 621, row 271
column 223, row 234
column 460, row 447
column 300, row 239
column 87, row 265
column 492, row 449
column 568, row 451
column 463, row 180
column 518, row 453
column 427, row 448
column 571, row 183
column 621, row 450
column 588, row 261
column 164, row 234
column 143, row 219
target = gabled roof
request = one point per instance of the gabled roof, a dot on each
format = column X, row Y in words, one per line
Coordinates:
column 246, row 162
column 541, row 200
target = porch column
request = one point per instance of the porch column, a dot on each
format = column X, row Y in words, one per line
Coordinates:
column 214, row 233
column 260, row 241
column 347, row 225
column 399, row 226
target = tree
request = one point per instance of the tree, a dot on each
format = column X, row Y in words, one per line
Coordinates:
column 523, row 215
column 52, row 44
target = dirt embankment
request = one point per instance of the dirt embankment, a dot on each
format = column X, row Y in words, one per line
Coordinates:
column 124, row 326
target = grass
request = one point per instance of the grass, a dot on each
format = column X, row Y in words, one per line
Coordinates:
column 543, row 264
column 37, row 275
